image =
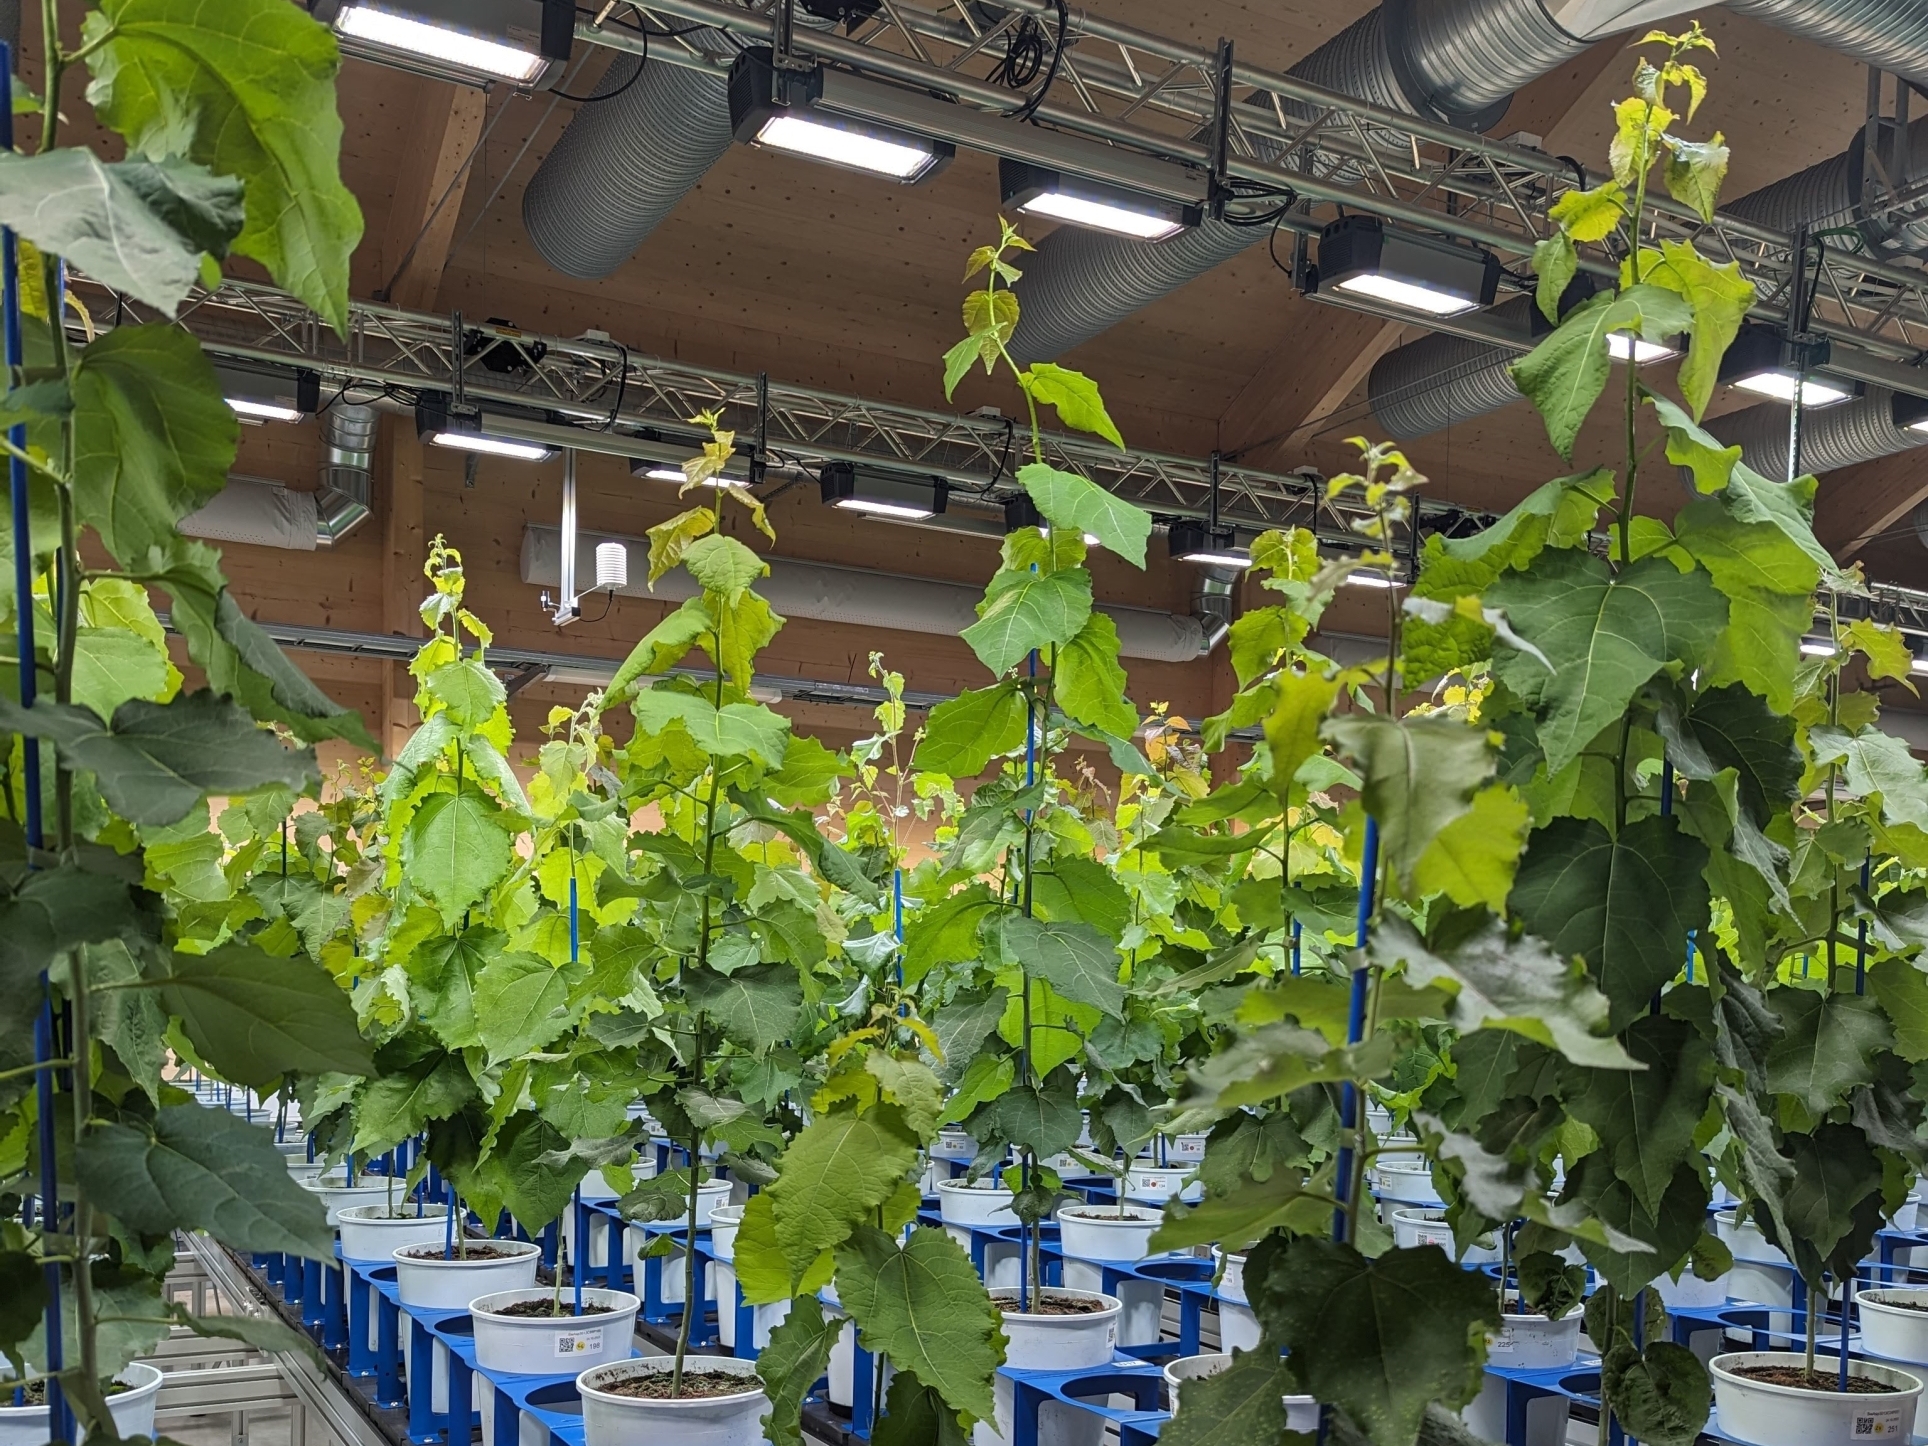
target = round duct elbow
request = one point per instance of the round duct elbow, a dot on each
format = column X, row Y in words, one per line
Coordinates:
column 346, row 492
column 1214, row 605
column 625, row 161
column 258, row 513
column 1831, row 437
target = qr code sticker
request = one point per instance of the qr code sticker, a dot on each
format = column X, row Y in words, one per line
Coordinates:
column 1882, row 1425
column 581, row 1343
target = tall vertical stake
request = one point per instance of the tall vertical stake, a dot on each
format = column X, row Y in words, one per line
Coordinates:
column 1355, row 1028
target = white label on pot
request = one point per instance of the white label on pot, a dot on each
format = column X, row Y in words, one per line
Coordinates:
column 1505, row 1340
column 1434, row 1237
column 1878, row 1423
column 580, row 1343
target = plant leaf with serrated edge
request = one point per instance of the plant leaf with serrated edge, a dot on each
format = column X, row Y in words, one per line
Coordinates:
column 1420, row 774
column 835, row 1172
column 203, row 1169
column 1473, row 858
column 1829, row 1045
column 1074, row 959
column 1089, row 683
column 256, row 1018
column 1080, row 505
column 1564, row 375
column 924, row 1307
column 791, row 1364
column 756, row 1008
column 1646, row 1119
column 456, row 848
column 1238, row 1406
column 1029, row 612
column 963, row 734
column 915, row 1415
column 1075, row 396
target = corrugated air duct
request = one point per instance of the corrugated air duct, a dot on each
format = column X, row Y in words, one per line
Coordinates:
column 626, row 160
column 834, row 594
column 1831, row 437
column 265, row 513
column 1427, row 385
column 1454, row 59
column 1829, row 193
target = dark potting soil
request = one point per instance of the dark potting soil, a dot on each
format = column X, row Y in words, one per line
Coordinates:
column 1142, row 1217
column 1051, row 1305
column 551, row 1310
column 656, row 1385
column 475, row 1250
column 1914, row 1305
column 35, row 1392
column 1802, row 1379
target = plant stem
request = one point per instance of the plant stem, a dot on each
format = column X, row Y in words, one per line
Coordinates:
column 691, row 1304
column 56, row 67
column 1814, row 1323
column 1645, row 166
column 1613, row 1330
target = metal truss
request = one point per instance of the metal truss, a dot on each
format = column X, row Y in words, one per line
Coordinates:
column 1236, row 123
column 595, row 394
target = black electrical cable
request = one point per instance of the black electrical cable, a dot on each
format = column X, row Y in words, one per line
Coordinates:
column 635, row 75
column 1030, row 107
column 1023, row 56
column 622, row 388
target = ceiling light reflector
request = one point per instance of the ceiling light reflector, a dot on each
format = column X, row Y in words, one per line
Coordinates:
column 879, row 494
column 268, row 394
column 1195, row 542
column 1096, row 205
column 1622, row 345
column 462, row 441
column 1766, row 363
column 783, row 110
column 1363, row 257
column 472, row 41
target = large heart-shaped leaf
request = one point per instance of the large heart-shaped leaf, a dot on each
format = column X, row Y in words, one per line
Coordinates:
column 256, row 1018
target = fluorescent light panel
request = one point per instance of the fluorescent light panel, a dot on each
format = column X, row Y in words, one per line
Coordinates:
column 1101, row 216
column 1371, row 579
column 1097, row 205
column 875, row 493
column 667, row 473
column 1408, row 294
column 439, row 43
column 1218, row 557
column 842, row 145
column 491, row 446
column 1811, row 648
column 1779, row 386
column 1621, row 345
column 249, row 410
column 871, row 507
column 1364, row 257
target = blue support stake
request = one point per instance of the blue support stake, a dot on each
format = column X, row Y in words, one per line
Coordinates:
column 1356, row 1025
column 1860, row 987
column 1298, row 930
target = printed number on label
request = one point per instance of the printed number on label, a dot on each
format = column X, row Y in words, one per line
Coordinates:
column 1878, row 1425
column 582, row 1343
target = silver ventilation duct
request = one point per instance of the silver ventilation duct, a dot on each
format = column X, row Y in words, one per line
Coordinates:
column 1454, row 59
column 1427, row 385
column 1831, row 437
column 1830, row 193
column 264, row 513
column 625, row 161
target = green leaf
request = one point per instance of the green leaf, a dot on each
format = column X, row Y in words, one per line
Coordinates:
column 1692, row 447
column 153, row 437
column 1513, row 984
column 809, row 775
column 1695, row 171
column 915, row 1415
column 1624, row 905
column 1558, row 514
column 1420, row 774
column 1646, row 1118
column 733, row 731
column 945, row 932
column 1605, row 635
column 1239, row 1220
column 1564, row 375
column 962, row 735
column 400, row 1105
column 756, row 1008
column 1590, row 216
column 957, row 362
column 445, row 973
column 1074, row 959
column 836, row 1171
column 662, row 647
column 791, row 1364
column 1661, row 1397
column 521, row 1004
column 1832, row 1202
column 50, row 912
column 202, row 1169
column 1473, row 858
column 722, row 564
column 1235, row 1406
column 924, row 1307
column 1555, row 263
column 1041, row 1118
column 157, row 760
column 1902, row 989
column 1080, row 506
column 248, row 93
column 256, row 1018
column 113, row 665
column 1873, row 763
column 1379, row 1339
column 457, row 847
column 1293, row 726
column 1671, row 1233
column 1719, row 297
column 513, row 1177
column 23, row 1299
column 1075, row 395
column 1732, row 728
column 1026, row 611
column 1090, row 684
column 469, row 691
column 963, row 1024
column 136, row 226
column 1828, row 1046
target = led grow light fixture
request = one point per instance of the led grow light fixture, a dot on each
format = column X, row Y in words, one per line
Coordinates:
column 783, row 110
column 1095, row 205
column 460, row 429
column 1623, row 346
column 878, row 494
column 474, row 42
column 1910, row 412
column 1766, row 363
column 269, row 394
column 1196, row 542
column 1363, row 257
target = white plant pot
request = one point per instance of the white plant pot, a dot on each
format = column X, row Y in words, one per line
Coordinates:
column 1238, row 1325
column 368, row 1234
column 1301, row 1412
column 1407, row 1182
column 1534, row 1343
column 1414, row 1225
column 550, row 1345
column 132, row 1410
column 725, row 1221
column 709, row 1195
column 1231, row 1275
column 1053, row 1343
column 732, row 1420
column 1154, row 1185
column 1093, row 1236
column 438, row 1284
column 1761, row 1414
column 1893, row 1332
column 1181, row 1149
column 338, row 1195
column 1690, row 1292
column 596, row 1190
column 952, row 1144
column 1746, row 1240
column 962, row 1206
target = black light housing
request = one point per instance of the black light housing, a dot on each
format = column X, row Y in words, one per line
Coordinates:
column 1362, row 257
column 261, row 393
column 1197, row 542
column 783, row 110
column 1097, row 205
column 1763, row 361
column 442, row 424
column 1021, row 512
column 880, row 494
column 472, row 42
column 1910, row 412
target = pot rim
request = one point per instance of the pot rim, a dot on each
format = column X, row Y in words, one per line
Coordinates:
column 1912, row 1292
column 976, row 1187
column 1722, row 1368
column 622, row 1301
column 24, row 1414
column 643, row 1365
column 1108, row 1215
column 351, row 1212
column 1113, row 1305
column 523, row 1250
